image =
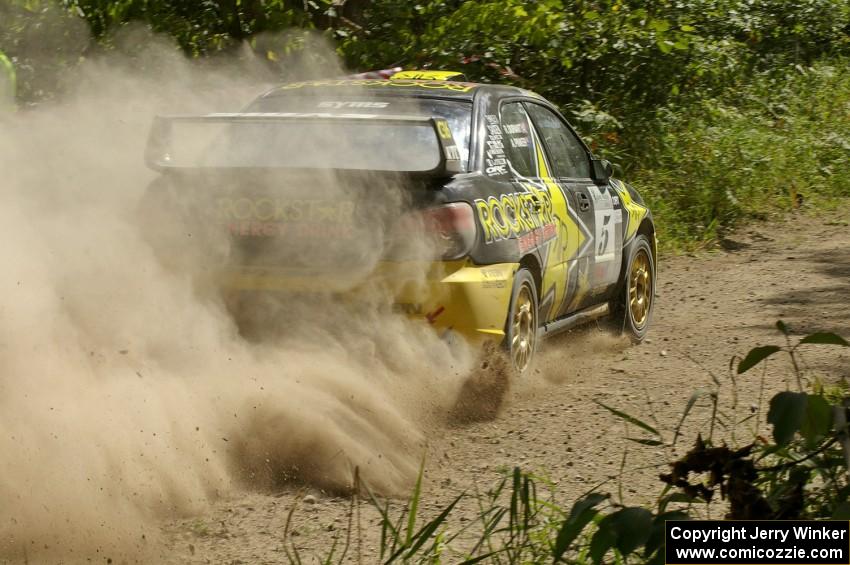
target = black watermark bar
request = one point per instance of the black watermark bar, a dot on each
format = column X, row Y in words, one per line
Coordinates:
column 757, row 542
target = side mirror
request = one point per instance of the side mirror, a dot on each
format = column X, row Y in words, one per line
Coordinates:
column 602, row 170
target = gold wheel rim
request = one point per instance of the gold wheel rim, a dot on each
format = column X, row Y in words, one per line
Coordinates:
column 640, row 289
column 524, row 328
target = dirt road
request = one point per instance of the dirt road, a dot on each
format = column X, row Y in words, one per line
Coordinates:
column 710, row 306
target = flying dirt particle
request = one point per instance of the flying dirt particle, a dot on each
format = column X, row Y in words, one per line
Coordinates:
column 484, row 390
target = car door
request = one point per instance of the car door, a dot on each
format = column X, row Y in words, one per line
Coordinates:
column 545, row 229
column 595, row 257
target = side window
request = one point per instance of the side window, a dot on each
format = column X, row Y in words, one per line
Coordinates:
column 518, row 142
column 568, row 156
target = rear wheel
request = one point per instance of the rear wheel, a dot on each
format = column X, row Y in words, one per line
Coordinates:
column 521, row 330
column 633, row 308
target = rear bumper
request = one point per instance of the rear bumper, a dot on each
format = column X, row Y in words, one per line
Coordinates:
column 450, row 295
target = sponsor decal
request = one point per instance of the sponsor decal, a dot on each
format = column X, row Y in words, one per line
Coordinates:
column 450, row 149
column 427, row 75
column 493, row 278
column 429, row 84
column 283, row 217
column 511, row 215
column 496, row 162
column 519, row 142
column 443, row 129
column 452, row 153
column 292, row 115
column 353, row 104
column 536, row 238
column 493, row 274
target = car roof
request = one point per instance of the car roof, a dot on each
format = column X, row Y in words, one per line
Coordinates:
column 397, row 87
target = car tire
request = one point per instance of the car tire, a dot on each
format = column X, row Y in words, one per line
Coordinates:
column 522, row 322
column 632, row 311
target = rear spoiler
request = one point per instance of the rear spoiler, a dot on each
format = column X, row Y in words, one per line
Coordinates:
column 158, row 153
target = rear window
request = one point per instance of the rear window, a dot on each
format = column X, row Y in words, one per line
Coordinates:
column 456, row 112
column 266, row 141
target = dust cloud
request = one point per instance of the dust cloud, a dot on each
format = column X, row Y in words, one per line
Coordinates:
column 575, row 352
column 127, row 392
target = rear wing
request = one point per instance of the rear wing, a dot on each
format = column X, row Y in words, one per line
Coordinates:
column 405, row 144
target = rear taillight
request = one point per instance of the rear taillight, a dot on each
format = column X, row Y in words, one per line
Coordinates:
column 452, row 228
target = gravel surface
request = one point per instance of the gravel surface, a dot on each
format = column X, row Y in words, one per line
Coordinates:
column 710, row 306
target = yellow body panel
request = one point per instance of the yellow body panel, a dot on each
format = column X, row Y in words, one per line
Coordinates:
column 634, row 211
column 469, row 299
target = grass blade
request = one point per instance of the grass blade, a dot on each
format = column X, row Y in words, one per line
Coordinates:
column 414, row 504
column 649, row 442
column 629, row 419
column 688, row 407
column 426, row 532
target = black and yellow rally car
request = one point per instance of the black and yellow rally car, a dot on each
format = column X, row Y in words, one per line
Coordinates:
column 533, row 234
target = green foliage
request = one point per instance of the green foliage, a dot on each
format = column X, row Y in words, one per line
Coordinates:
column 717, row 110
column 42, row 40
column 515, row 524
column 771, row 145
column 804, row 472
column 582, row 514
column 625, row 530
column 199, row 26
column 631, row 55
column 8, row 82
